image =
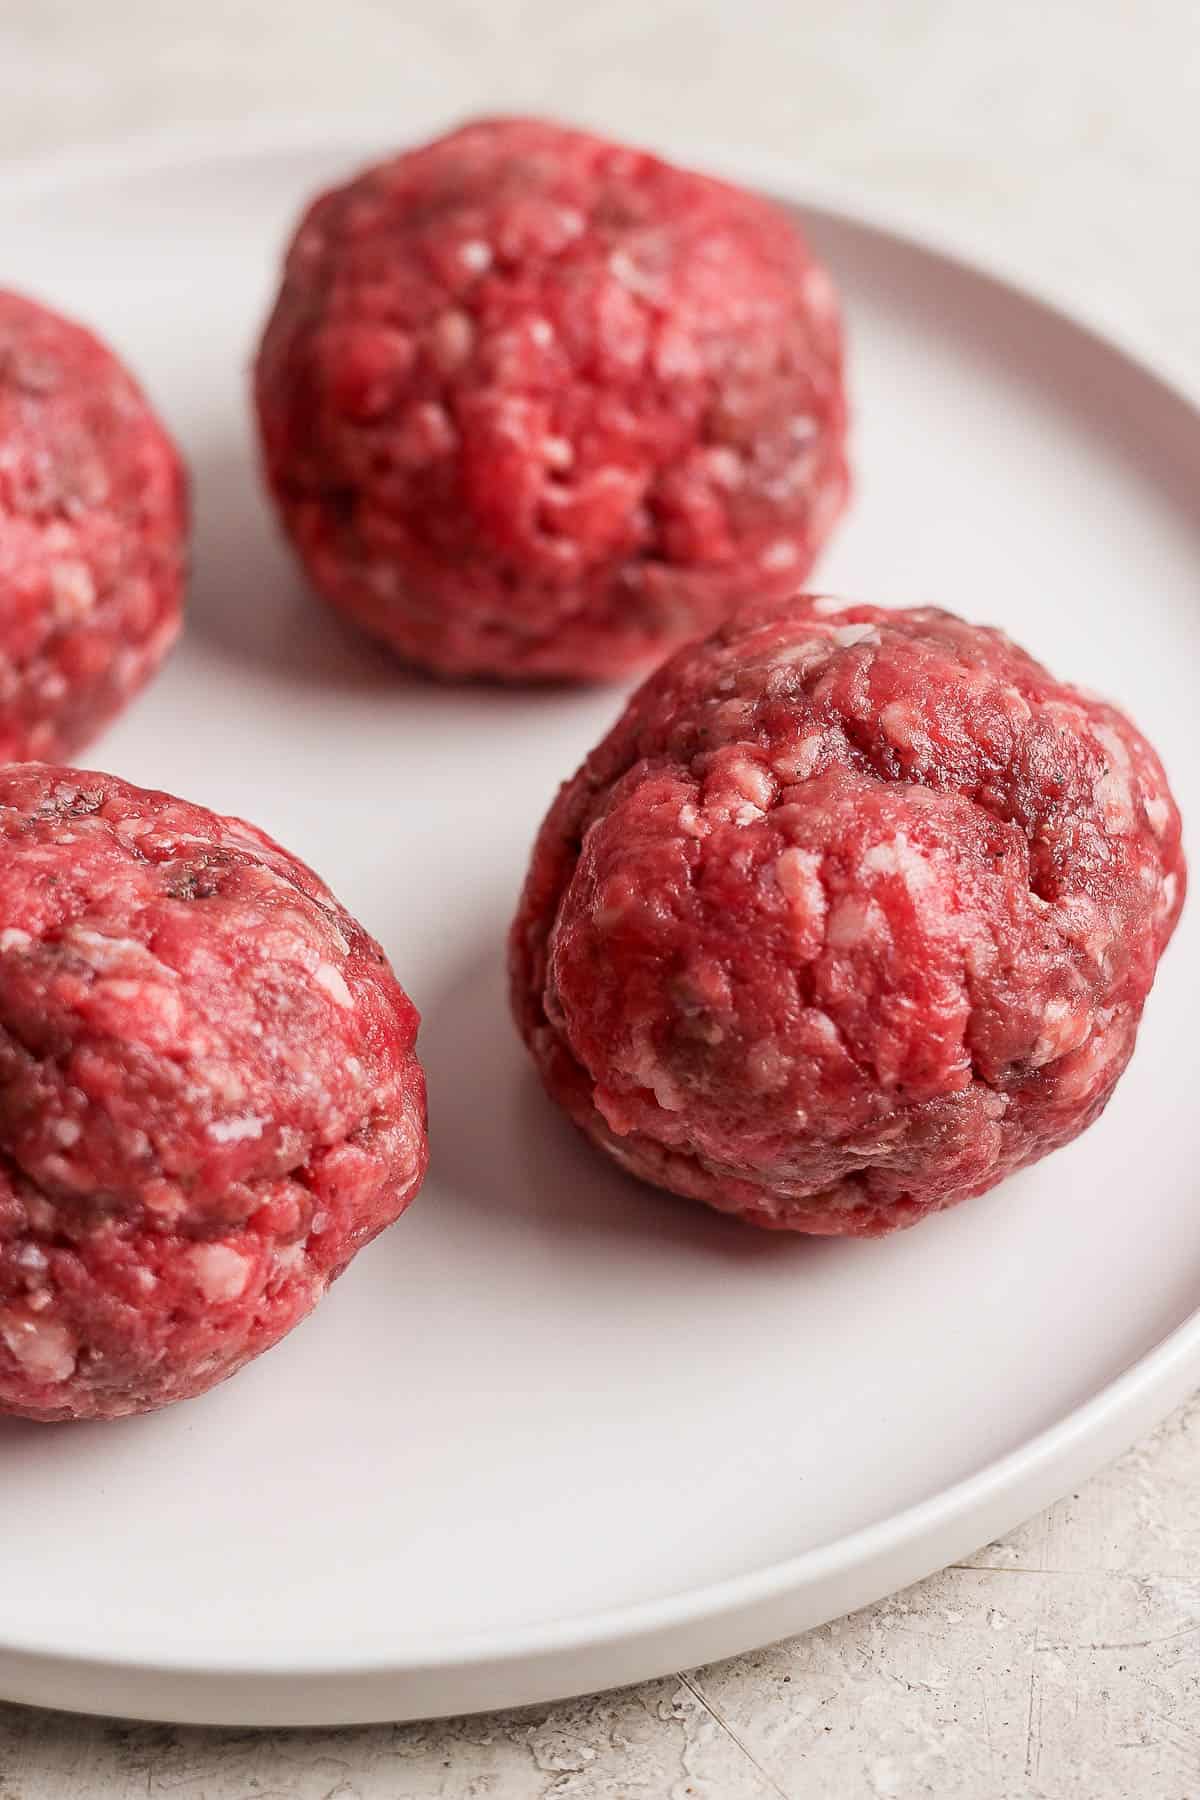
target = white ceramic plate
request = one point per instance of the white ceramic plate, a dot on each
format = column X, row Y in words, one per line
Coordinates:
column 557, row 1431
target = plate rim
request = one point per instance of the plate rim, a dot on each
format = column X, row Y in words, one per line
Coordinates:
column 1136, row 1399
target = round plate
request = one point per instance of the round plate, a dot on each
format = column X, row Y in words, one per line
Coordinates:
column 556, row 1430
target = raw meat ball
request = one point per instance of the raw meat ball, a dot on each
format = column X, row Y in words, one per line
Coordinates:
column 209, row 1095
column 535, row 405
column 853, row 913
column 93, row 528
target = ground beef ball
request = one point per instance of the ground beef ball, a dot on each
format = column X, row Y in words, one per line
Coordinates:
column 853, row 913
column 209, row 1096
column 535, row 405
column 92, row 534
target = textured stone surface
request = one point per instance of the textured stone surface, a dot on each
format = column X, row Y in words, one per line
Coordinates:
column 1061, row 1663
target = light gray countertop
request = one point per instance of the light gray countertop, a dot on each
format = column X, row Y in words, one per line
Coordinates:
column 1064, row 137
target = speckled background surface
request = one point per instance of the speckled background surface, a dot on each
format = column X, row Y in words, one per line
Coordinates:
column 1064, row 136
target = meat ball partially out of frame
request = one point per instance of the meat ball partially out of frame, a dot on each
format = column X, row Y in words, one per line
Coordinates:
column 209, row 1095
column 534, row 405
column 852, row 914
column 93, row 534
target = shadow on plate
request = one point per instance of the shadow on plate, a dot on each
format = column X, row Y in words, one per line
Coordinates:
column 500, row 1145
column 247, row 597
column 36, row 1442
